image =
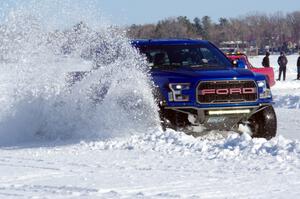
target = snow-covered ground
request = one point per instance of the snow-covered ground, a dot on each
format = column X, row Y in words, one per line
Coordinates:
column 156, row 164
column 56, row 143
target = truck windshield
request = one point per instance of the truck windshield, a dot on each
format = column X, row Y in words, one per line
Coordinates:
column 194, row 56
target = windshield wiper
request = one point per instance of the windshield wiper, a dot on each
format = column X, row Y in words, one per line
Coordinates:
column 206, row 66
column 197, row 65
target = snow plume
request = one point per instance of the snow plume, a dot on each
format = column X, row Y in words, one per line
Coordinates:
column 37, row 99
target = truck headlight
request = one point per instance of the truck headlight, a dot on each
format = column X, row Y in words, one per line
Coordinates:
column 264, row 91
column 262, row 84
column 176, row 92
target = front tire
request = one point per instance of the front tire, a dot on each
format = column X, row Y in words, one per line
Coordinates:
column 173, row 119
column 263, row 124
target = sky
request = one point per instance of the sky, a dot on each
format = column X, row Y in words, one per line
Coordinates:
column 145, row 11
column 127, row 12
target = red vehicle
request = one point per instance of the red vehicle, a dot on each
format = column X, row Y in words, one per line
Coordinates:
column 268, row 71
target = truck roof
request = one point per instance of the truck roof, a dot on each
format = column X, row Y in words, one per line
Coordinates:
column 154, row 42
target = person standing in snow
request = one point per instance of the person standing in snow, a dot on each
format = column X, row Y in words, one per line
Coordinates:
column 266, row 60
column 282, row 62
column 298, row 67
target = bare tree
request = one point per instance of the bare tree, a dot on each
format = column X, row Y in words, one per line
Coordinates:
column 278, row 30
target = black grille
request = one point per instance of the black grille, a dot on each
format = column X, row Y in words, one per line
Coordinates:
column 226, row 98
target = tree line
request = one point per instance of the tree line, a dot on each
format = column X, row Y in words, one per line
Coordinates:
column 276, row 31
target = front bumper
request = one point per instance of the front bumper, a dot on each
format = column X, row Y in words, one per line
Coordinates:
column 220, row 118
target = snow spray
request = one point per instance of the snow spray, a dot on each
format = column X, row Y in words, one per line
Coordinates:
column 41, row 44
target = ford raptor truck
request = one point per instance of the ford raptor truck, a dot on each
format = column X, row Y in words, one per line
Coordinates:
column 196, row 85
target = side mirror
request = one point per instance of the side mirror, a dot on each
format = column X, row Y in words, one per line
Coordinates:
column 238, row 64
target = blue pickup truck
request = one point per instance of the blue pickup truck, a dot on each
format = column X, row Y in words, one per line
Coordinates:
column 197, row 85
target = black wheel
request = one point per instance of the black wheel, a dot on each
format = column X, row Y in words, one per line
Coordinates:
column 173, row 119
column 169, row 118
column 263, row 124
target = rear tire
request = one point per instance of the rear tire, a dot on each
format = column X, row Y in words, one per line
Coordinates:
column 263, row 124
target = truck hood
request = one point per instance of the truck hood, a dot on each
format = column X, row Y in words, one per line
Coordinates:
column 224, row 73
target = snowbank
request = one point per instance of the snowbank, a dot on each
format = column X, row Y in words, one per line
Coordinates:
column 212, row 146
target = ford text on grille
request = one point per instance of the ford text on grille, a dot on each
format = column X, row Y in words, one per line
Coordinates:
column 228, row 91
